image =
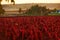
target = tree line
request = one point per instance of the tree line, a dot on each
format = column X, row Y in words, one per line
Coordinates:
column 34, row 10
column 39, row 10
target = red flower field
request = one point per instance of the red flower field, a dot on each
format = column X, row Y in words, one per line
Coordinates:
column 30, row 28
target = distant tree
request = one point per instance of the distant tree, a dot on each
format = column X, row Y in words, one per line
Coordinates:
column 54, row 10
column 19, row 10
column 34, row 10
column 1, row 10
column 38, row 10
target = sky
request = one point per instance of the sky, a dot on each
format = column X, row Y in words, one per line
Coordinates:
column 32, row 1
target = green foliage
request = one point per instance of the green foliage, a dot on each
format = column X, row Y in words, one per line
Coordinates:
column 36, row 10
